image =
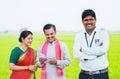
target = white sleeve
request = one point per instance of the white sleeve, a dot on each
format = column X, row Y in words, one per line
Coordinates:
column 65, row 57
column 76, row 50
column 39, row 54
column 100, row 50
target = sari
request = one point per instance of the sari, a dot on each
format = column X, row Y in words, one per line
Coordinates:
column 26, row 59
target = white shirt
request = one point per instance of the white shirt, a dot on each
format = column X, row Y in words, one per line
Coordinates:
column 51, row 70
column 96, row 55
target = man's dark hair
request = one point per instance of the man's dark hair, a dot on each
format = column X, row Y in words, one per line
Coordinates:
column 88, row 12
column 48, row 26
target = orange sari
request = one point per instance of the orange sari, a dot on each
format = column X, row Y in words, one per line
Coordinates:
column 28, row 58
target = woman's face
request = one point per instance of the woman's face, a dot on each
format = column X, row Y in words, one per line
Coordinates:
column 28, row 40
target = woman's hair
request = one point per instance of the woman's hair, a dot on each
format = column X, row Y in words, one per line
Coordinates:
column 88, row 12
column 48, row 26
column 24, row 34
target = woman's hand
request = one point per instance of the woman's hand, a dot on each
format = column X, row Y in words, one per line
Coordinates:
column 32, row 68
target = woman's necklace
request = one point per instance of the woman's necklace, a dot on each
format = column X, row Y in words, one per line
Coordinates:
column 23, row 47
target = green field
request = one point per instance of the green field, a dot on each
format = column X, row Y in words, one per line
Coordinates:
column 9, row 41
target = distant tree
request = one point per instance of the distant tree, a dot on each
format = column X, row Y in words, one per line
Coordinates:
column 6, row 31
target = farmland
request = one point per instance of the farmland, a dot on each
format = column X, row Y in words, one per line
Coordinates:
column 9, row 41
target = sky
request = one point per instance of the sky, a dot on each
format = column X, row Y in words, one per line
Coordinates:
column 64, row 14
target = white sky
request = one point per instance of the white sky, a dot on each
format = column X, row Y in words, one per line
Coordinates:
column 65, row 14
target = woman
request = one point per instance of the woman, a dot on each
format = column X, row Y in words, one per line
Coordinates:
column 22, row 58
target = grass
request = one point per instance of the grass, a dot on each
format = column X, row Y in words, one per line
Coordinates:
column 9, row 41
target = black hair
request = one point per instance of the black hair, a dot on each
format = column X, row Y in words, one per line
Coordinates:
column 24, row 34
column 88, row 12
column 48, row 26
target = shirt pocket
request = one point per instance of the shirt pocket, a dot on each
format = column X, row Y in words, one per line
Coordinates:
column 98, row 41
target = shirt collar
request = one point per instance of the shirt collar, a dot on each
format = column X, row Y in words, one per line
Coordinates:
column 52, row 43
column 95, row 30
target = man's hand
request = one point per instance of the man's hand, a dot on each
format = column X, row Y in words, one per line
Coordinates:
column 99, row 56
column 101, row 44
column 54, row 62
column 85, row 59
column 42, row 60
column 81, row 50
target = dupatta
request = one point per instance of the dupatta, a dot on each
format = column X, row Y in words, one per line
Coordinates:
column 58, row 57
column 26, row 59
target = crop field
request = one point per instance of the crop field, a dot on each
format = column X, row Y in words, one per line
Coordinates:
column 9, row 41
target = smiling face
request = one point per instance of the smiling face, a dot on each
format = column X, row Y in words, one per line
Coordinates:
column 89, row 23
column 28, row 40
column 50, row 34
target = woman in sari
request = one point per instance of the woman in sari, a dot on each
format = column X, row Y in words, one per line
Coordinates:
column 22, row 58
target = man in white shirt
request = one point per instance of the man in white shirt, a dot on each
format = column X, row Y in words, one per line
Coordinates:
column 91, row 47
column 53, row 55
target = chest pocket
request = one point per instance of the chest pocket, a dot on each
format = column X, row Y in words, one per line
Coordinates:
column 97, row 41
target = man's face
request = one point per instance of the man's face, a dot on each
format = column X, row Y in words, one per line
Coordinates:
column 89, row 22
column 50, row 34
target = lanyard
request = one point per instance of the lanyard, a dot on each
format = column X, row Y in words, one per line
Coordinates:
column 91, row 40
